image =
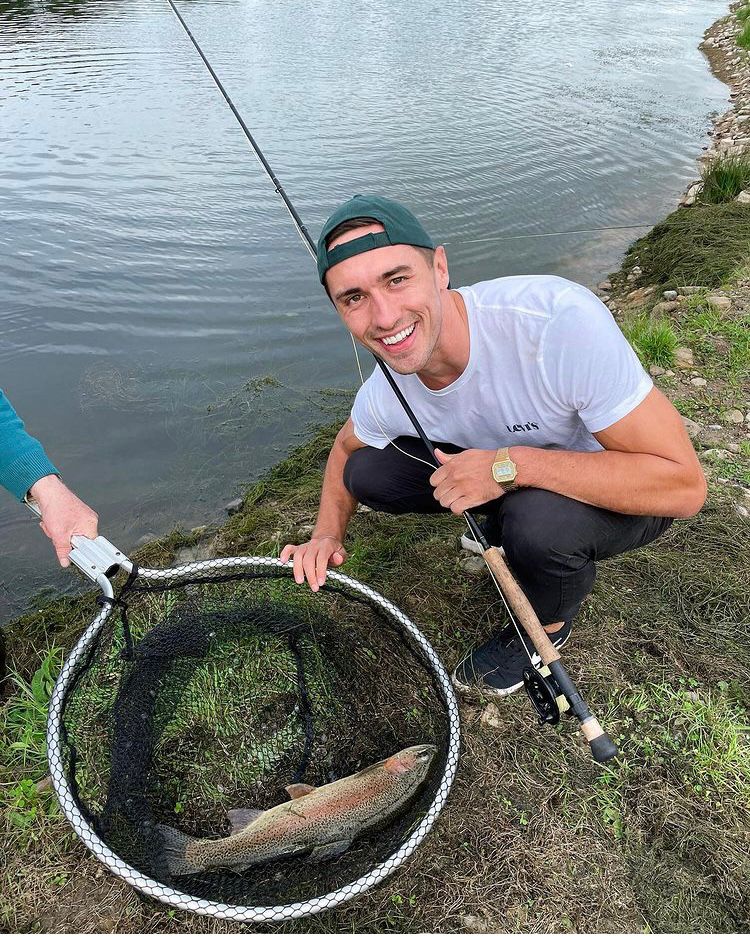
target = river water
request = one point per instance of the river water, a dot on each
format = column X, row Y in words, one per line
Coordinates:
column 162, row 330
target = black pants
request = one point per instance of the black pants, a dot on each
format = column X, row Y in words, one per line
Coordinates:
column 551, row 542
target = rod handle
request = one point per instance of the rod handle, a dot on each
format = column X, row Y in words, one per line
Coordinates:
column 521, row 605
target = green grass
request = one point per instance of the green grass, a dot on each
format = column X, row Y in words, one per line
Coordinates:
column 743, row 40
column 653, row 341
column 23, row 719
column 700, row 246
column 23, row 755
column 725, row 177
column 743, row 13
column 720, row 340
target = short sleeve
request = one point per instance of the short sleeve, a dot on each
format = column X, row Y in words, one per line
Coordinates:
column 587, row 362
column 369, row 424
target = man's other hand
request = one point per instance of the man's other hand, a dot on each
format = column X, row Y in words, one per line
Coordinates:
column 312, row 559
column 63, row 515
column 465, row 480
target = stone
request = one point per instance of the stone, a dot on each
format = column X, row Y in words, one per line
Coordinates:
column 145, row 539
column 715, row 438
column 473, row 564
column 640, row 294
column 690, row 197
column 683, row 358
column 491, row 716
column 699, row 381
column 733, row 447
column 720, row 303
column 605, row 286
column 363, row 508
column 670, row 295
column 669, row 373
column 693, row 428
column 688, row 290
column 197, row 553
column 744, row 197
column 741, row 511
column 735, row 416
column 664, row 308
column 234, row 506
column 656, row 371
column 634, row 274
column 716, row 454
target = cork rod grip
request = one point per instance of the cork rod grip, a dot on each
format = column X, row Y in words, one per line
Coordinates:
column 520, row 605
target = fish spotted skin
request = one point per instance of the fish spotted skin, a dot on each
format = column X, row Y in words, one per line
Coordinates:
column 326, row 819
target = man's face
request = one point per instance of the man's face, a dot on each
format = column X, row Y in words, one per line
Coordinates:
column 390, row 299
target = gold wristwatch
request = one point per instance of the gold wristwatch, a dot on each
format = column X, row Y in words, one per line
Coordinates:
column 504, row 468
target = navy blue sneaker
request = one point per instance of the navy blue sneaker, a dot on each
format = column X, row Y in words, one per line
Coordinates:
column 496, row 667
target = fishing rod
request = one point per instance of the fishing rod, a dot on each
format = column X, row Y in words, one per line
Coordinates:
column 550, row 688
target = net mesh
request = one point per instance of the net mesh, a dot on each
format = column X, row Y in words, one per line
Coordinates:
column 218, row 689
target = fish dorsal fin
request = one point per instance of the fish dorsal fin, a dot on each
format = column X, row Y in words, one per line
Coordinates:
column 297, row 790
column 240, row 819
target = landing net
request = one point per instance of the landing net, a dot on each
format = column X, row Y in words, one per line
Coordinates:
column 220, row 684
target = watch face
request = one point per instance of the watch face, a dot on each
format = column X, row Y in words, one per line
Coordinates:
column 503, row 471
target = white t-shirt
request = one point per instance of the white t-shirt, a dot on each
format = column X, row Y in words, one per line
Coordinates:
column 548, row 366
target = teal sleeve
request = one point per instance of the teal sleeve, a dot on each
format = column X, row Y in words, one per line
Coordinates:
column 23, row 461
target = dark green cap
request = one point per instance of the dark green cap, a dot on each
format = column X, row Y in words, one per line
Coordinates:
column 401, row 227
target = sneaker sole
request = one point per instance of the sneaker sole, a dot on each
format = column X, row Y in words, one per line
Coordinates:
column 485, row 690
column 471, row 545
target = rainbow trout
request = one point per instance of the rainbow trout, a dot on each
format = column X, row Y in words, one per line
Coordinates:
column 321, row 820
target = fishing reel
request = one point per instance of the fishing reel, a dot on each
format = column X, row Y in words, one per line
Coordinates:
column 545, row 694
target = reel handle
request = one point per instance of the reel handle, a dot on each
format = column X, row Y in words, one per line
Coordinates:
column 98, row 559
column 601, row 745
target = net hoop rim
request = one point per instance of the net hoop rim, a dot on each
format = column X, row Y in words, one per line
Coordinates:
column 238, row 913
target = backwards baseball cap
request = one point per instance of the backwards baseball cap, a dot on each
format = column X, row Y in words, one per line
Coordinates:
column 401, row 227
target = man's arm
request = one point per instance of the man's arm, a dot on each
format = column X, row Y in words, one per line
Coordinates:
column 649, row 468
column 326, row 545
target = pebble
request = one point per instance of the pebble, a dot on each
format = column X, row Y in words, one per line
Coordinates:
column 363, row 508
column 187, row 554
column 716, row 453
column 720, row 303
column 699, row 382
column 733, row 447
column 693, row 428
column 605, row 286
column 634, row 274
column 234, row 506
column 473, row 564
column 656, row 371
column 491, row 716
column 741, row 511
column 744, row 197
column 664, row 308
column 638, row 295
column 735, row 416
column 683, row 358
column 670, row 295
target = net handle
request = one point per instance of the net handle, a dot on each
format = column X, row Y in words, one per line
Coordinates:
column 98, row 559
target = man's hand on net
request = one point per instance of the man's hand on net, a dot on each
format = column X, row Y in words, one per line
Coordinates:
column 312, row 559
column 63, row 515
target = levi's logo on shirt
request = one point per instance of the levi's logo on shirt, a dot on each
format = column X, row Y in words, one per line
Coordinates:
column 522, row 427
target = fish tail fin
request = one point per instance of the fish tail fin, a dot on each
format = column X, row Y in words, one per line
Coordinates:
column 176, row 847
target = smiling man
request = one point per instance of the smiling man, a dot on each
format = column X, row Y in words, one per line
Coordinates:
column 543, row 418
